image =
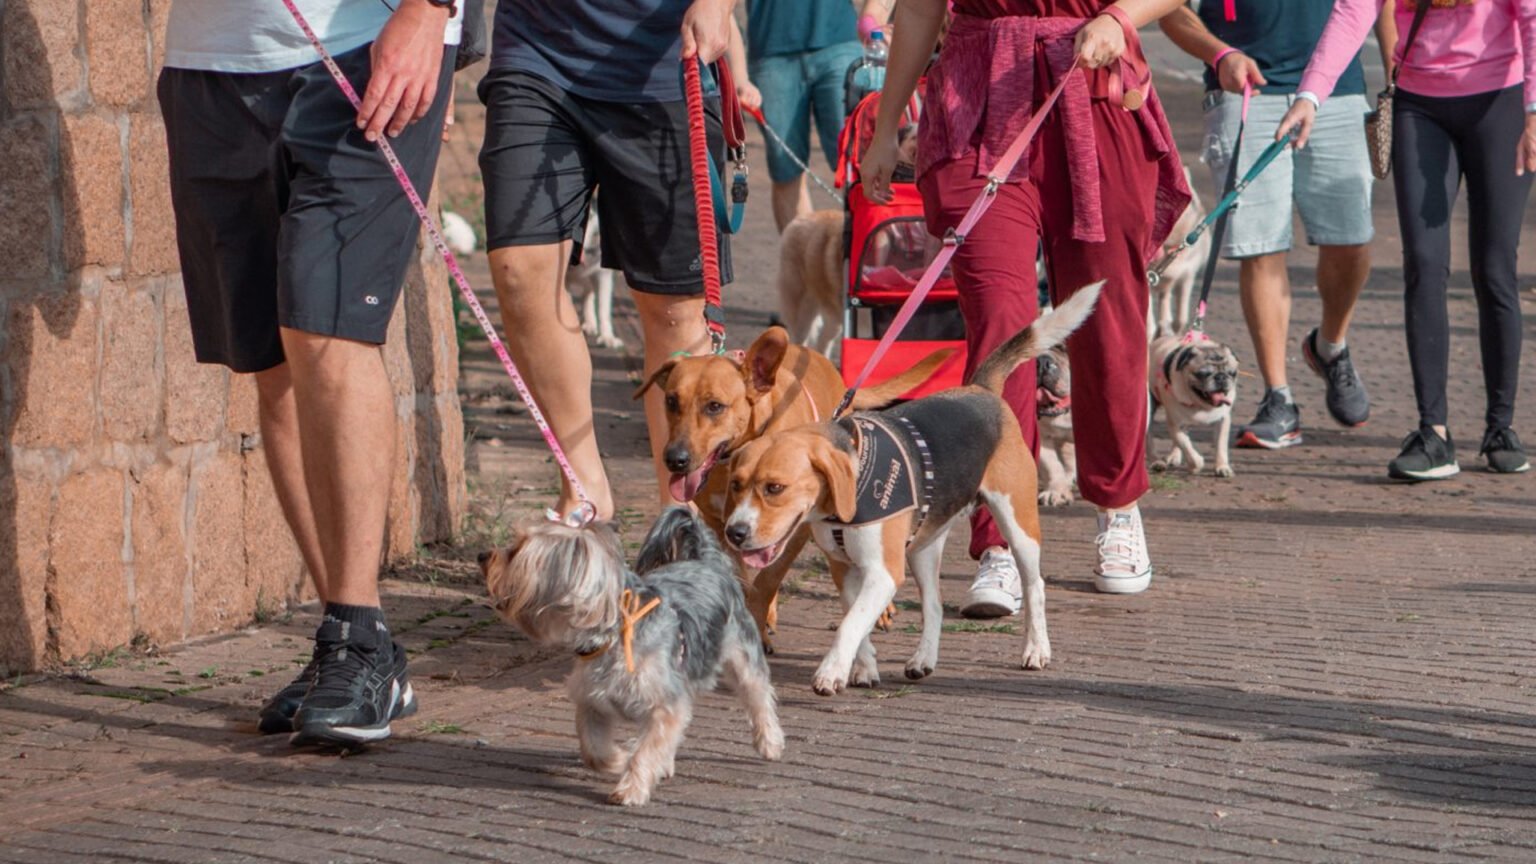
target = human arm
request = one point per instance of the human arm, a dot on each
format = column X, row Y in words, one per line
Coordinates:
column 707, row 29
column 1336, row 48
column 917, row 29
column 874, row 15
column 407, row 57
column 1233, row 68
column 1386, row 35
column 1526, row 154
column 1102, row 41
column 736, row 56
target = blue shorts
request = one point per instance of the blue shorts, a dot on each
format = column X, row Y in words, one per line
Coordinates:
column 1328, row 182
column 796, row 87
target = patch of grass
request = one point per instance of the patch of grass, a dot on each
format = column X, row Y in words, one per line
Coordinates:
column 438, row 727
column 903, row 690
column 135, row 694
column 209, row 672
column 195, row 688
column 1167, row 483
column 104, row 659
column 255, row 673
column 911, row 605
column 269, row 611
column 438, row 643
column 965, row 627
column 1408, row 617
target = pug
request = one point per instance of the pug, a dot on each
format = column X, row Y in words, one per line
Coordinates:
column 1053, row 411
column 1195, row 382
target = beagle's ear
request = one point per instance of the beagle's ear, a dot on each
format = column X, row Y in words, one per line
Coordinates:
column 837, row 469
column 658, row 378
column 763, row 359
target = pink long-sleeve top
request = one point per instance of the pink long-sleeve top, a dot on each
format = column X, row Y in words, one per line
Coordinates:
column 1463, row 47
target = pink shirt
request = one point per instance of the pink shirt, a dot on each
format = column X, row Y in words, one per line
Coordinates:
column 1475, row 46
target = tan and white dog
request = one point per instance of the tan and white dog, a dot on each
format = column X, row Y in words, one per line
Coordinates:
column 1195, row 382
column 1173, row 290
column 1053, row 413
column 880, row 489
column 811, row 279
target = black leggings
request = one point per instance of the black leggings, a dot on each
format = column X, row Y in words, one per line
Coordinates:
column 1437, row 141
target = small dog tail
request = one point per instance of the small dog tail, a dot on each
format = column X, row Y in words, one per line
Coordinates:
column 889, row 390
column 677, row 535
column 1046, row 332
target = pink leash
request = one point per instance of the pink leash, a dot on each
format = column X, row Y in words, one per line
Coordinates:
column 458, row 274
column 954, row 237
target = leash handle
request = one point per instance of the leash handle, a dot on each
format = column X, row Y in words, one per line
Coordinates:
column 587, row 509
column 955, row 236
column 703, row 201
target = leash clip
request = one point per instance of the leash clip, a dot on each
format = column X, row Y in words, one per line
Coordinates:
column 953, row 239
column 992, row 184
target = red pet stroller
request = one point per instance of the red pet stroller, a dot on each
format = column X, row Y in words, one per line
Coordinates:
column 887, row 247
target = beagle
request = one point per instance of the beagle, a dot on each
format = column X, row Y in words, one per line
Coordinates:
column 882, row 488
column 716, row 404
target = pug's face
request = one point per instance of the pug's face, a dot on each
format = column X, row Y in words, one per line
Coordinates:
column 1206, row 371
column 1053, row 383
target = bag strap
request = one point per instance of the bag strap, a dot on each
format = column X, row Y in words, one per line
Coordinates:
column 1413, row 31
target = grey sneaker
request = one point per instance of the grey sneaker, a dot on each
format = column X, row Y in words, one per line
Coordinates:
column 1501, row 448
column 1348, row 403
column 1425, row 456
column 996, row 592
column 1276, row 425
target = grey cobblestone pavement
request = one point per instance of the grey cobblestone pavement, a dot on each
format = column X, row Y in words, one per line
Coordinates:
column 1326, row 668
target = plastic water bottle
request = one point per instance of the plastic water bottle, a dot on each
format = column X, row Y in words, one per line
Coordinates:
column 867, row 75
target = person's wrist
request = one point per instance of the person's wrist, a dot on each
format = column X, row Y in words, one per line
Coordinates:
column 1309, row 96
column 1221, row 55
column 430, row 7
column 1530, row 111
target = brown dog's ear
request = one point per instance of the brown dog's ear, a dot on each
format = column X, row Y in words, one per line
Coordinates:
column 659, row 377
column 836, row 467
column 763, row 359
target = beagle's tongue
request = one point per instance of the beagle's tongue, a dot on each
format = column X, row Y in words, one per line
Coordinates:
column 685, row 486
column 757, row 559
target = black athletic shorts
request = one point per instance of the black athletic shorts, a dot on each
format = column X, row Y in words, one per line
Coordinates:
column 285, row 215
column 547, row 150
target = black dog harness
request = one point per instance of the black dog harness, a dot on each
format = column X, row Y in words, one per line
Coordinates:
column 887, row 482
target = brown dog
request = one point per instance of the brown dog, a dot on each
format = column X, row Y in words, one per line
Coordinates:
column 716, row 405
column 879, row 487
column 811, row 279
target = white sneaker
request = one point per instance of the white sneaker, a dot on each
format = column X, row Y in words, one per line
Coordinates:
column 996, row 591
column 1124, row 565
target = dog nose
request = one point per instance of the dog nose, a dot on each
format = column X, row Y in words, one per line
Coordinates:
column 1045, row 364
column 677, row 458
column 737, row 533
column 483, row 557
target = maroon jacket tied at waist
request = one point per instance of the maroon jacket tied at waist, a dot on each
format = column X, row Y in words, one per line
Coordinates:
column 982, row 91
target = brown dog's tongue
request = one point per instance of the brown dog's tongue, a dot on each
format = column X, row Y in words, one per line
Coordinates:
column 685, row 486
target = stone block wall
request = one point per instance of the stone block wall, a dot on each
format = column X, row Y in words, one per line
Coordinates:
column 135, row 502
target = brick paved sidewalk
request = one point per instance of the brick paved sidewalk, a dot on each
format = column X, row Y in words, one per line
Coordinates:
column 1327, row 668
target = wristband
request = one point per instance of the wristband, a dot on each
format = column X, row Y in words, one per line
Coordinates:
column 1530, row 107
column 1220, row 56
column 867, row 26
column 1310, row 97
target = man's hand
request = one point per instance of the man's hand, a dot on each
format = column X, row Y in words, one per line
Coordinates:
column 1525, row 159
column 750, row 97
column 1237, row 69
column 1100, row 42
column 1300, row 117
column 707, row 29
column 406, row 59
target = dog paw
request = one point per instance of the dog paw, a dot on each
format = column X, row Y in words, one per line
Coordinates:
column 886, row 619
column 864, row 677
column 668, row 768
column 918, row 668
column 630, row 792
column 1159, row 466
column 828, row 684
column 610, row 342
column 1036, row 656
column 1056, row 497
column 1225, row 472
column 769, row 742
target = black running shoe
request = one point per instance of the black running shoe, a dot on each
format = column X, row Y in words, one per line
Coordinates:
column 1347, row 400
column 1501, row 448
column 1425, row 456
column 277, row 714
column 360, row 686
column 1276, row 425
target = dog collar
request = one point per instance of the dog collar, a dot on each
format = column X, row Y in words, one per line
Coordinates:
column 630, row 612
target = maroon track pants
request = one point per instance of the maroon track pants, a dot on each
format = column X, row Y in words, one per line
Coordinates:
column 995, row 272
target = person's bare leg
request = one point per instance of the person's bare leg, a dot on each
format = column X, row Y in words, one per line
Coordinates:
column 280, row 440
column 1266, row 291
column 550, row 351
column 1341, row 274
column 790, row 200
column 346, row 411
column 670, row 324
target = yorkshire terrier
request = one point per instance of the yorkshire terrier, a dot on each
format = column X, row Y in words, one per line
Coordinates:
column 646, row 641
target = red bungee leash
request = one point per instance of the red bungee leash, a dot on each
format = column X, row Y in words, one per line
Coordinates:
column 586, row 511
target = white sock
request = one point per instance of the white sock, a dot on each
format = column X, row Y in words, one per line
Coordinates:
column 1326, row 350
column 1284, row 392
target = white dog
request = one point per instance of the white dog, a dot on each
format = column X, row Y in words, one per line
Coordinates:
column 591, row 284
column 1177, row 283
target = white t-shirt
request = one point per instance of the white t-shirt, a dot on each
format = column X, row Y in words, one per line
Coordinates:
column 261, row 35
